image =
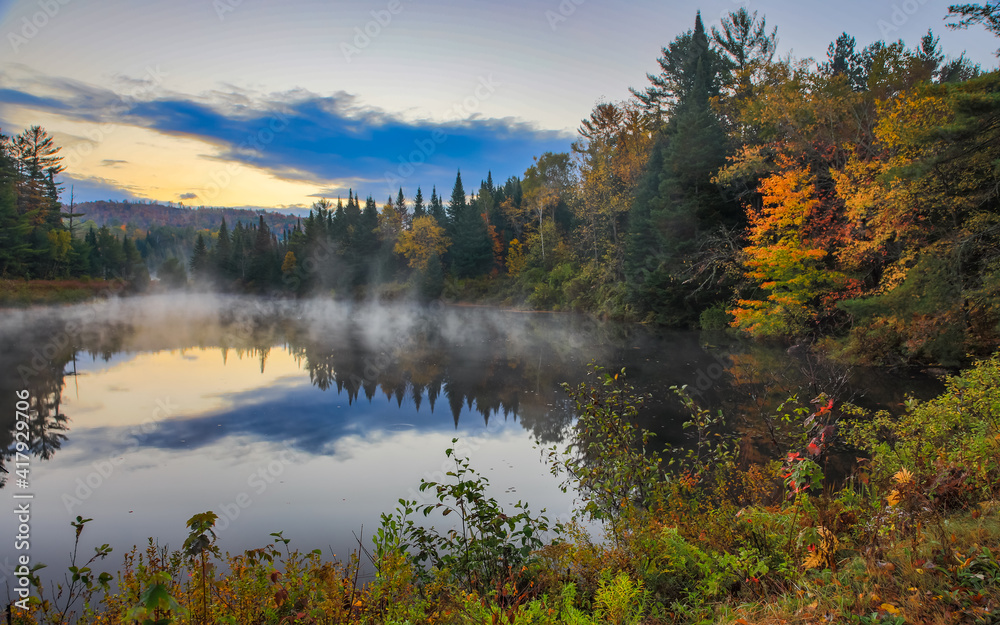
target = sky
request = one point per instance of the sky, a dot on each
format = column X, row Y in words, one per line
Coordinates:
column 277, row 103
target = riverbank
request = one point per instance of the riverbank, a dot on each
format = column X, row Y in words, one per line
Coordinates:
column 23, row 293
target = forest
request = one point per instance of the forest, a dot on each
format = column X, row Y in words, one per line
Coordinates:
column 850, row 202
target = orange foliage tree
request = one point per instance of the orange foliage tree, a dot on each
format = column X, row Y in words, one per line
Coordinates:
column 785, row 264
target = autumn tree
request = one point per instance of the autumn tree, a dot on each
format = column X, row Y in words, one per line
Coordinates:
column 423, row 241
column 548, row 187
column 781, row 260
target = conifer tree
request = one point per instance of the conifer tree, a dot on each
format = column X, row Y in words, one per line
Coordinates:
column 418, row 205
column 14, row 227
column 222, row 254
column 437, row 209
column 200, row 261
column 677, row 204
column 471, row 251
column 400, row 207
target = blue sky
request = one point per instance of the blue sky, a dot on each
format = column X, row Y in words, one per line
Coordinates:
column 278, row 102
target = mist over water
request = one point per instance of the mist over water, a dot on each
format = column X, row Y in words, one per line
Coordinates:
column 313, row 417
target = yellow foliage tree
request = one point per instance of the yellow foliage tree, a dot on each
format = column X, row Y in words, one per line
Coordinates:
column 515, row 258
column 289, row 264
column 422, row 241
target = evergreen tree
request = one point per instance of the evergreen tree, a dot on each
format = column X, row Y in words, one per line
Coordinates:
column 110, row 254
column 458, row 200
column 366, row 237
column 222, row 255
column 844, row 60
column 471, row 251
column 437, row 209
column 681, row 64
column 418, row 205
column 677, row 204
column 241, row 251
column 94, row 268
column 262, row 262
column 400, row 207
column 172, row 273
column 14, row 227
column 200, row 261
column 432, row 279
column 133, row 269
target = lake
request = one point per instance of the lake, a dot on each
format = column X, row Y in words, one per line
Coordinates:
column 312, row 418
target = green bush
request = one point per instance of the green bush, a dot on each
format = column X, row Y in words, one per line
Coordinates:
column 960, row 429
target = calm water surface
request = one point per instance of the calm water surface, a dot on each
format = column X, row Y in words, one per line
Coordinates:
column 314, row 418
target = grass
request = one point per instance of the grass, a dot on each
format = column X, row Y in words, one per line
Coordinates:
column 23, row 293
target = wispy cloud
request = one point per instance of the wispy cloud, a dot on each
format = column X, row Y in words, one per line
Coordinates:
column 298, row 135
column 95, row 187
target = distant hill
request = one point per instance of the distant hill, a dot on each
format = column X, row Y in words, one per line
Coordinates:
column 145, row 216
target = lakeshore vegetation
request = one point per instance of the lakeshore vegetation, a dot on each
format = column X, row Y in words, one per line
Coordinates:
column 690, row 535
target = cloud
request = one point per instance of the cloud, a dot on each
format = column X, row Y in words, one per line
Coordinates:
column 112, row 162
column 187, row 196
column 332, row 141
column 90, row 188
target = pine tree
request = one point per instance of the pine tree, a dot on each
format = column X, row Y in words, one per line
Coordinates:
column 263, row 265
column 432, row 279
column 14, row 227
column 418, row 205
column 677, row 203
column 200, row 261
column 458, row 200
column 472, row 250
column 679, row 68
column 437, row 209
column 400, row 207
column 222, row 255
column 241, row 251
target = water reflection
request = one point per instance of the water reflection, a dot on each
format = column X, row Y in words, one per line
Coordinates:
column 235, row 367
column 322, row 415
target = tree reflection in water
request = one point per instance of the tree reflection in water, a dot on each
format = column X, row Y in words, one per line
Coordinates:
column 500, row 365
